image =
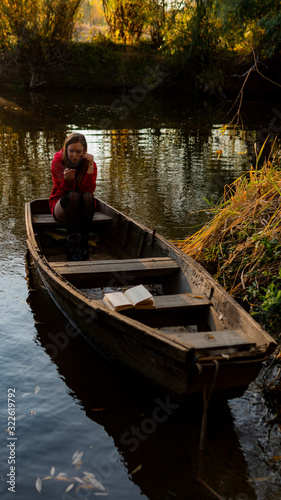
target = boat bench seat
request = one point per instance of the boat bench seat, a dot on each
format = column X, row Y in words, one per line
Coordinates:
column 177, row 309
column 47, row 220
column 221, row 339
column 172, row 303
column 180, row 301
column 124, row 271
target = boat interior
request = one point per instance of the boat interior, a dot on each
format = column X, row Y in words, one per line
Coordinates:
column 124, row 254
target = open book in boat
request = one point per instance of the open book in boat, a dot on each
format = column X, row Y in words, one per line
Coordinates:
column 194, row 332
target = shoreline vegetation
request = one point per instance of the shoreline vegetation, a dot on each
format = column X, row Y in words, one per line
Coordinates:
column 106, row 65
column 240, row 245
column 205, row 47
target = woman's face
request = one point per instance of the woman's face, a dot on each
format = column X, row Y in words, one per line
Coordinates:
column 75, row 152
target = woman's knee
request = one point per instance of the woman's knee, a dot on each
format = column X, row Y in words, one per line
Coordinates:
column 59, row 213
column 73, row 197
column 87, row 197
column 87, row 200
column 70, row 198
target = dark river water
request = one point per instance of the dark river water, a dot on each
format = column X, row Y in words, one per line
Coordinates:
column 77, row 415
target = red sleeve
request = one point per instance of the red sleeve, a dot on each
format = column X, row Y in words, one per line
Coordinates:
column 61, row 186
column 88, row 184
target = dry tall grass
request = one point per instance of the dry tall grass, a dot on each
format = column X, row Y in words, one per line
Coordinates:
column 242, row 242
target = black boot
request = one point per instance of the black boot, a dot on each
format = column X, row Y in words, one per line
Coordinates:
column 87, row 210
column 73, row 247
column 84, row 247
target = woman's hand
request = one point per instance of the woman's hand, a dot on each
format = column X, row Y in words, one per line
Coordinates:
column 69, row 174
column 90, row 162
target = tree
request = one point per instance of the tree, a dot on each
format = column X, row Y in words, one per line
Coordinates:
column 252, row 23
column 156, row 21
column 268, row 27
column 43, row 21
column 34, row 30
column 126, row 18
column 192, row 30
column 93, row 12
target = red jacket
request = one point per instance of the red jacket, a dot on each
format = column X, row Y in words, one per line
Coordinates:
column 62, row 187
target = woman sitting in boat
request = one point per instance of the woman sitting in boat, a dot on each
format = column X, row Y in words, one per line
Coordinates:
column 74, row 174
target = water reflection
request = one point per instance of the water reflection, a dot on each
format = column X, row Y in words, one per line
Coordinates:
column 163, row 176
column 161, row 173
column 157, row 165
column 155, row 439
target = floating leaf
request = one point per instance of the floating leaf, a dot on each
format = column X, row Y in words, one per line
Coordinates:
column 77, row 457
column 78, row 480
column 139, row 467
column 47, row 477
column 69, row 488
column 38, row 484
column 98, row 409
column 276, row 458
column 90, row 478
column 33, row 412
column 26, row 394
column 78, row 465
column 37, row 389
column 52, row 471
column 89, row 474
column 84, row 487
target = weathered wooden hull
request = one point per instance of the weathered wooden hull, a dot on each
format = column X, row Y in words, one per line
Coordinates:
column 229, row 344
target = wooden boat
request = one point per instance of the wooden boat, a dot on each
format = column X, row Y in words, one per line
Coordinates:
column 196, row 336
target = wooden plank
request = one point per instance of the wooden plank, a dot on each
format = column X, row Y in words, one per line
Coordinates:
column 180, row 309
column 180, row 301
column 210, row 340
column 106, row 269
column 48, row 220
column 172, row 303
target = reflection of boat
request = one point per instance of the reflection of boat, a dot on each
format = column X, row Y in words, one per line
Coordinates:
column 197, row 331
column 151, row 433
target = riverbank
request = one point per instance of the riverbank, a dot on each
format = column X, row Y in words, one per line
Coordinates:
column 240, row 245
column 105, row 65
